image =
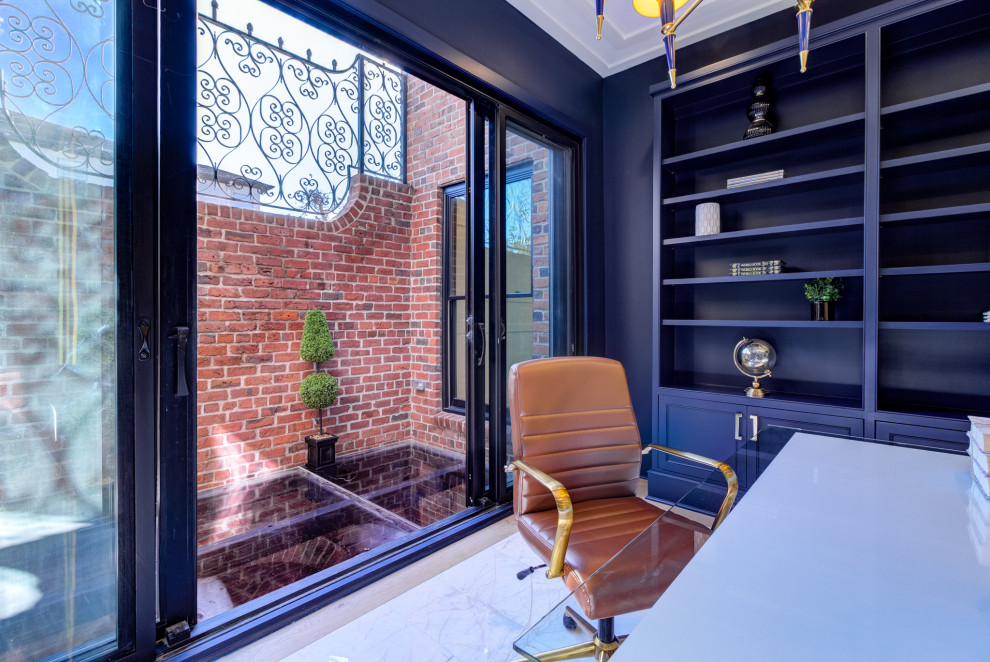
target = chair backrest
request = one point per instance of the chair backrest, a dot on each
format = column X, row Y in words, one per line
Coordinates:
column 572, row 418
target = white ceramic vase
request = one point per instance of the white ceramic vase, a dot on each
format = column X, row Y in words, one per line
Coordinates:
column 706, row 218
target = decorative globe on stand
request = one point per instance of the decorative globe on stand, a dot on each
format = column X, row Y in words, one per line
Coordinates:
column 754, row 358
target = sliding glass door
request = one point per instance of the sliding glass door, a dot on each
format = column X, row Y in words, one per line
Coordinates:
column 534, row 266
column 525, row 256
column 68, row 580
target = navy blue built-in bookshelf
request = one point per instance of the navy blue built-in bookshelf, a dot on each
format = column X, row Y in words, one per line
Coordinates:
column 885, row 145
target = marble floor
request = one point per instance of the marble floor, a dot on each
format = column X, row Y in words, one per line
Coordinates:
column 471, row 612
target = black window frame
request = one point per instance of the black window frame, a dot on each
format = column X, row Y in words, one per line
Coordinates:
column 450, row 403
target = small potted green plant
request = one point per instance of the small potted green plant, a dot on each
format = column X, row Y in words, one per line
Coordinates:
column 823, row 293
column 319, row 390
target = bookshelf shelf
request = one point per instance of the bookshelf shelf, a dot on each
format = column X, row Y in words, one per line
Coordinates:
column 793, row 230
column 769, row 324
column 838, row 128
column 975, row 94
column 936, row 326
column 937, row 269
column 800, row 275
column 935, row 214
column 813, row 181
column 961, row 157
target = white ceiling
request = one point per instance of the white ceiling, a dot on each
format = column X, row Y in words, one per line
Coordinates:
column 629, row 38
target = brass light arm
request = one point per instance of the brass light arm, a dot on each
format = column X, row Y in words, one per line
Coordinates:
column 565, row 514
column 673, row 25
column 730, row 476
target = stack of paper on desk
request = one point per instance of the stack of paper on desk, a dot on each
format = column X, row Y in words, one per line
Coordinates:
column 979, row 450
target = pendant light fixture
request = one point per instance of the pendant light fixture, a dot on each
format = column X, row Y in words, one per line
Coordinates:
column 667, row 11
column 804, row 30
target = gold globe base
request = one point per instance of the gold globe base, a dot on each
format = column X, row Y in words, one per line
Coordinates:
column 755, row 391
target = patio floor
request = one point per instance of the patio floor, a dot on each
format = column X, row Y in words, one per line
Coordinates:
column 267, row 533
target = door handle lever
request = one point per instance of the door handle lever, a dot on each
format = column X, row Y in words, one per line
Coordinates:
column 483, row 345
column 474, row 335
column 755, row 421
column 144, row 325
column 738, row 433
column 181, row 337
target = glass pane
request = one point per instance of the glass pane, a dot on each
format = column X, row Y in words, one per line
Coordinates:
column 458, row 246
column 291, row 489
column 538, row 261
column 458, row 345
column 58, row 446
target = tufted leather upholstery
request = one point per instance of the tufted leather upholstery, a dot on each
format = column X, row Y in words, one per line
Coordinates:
column 573, row 419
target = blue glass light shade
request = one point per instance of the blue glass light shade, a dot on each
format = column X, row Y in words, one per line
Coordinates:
column 804, row 32
column 667, row 17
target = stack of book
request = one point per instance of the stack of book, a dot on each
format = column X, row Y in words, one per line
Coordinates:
column 979, row 451
column 750, row 180
column 986, row 316
column 979, row 524
column 761, row 268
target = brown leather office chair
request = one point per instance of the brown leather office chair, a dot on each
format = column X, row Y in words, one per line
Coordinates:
column 577, row 456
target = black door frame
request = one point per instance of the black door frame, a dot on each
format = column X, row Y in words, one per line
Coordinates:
column 179, row 636
column 507, row 117
column 481, row 119
column 137, row 273
column 176, row 277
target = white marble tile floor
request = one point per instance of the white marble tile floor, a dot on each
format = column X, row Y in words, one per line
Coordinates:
column 471, row 612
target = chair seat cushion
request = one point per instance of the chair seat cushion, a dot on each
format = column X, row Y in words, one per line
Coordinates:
column 601, row 529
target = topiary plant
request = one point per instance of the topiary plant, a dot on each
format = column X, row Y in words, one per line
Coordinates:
column 318, row 390
column 823, row 289
column 317, row 345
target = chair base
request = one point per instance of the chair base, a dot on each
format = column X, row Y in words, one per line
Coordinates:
column 600, row 651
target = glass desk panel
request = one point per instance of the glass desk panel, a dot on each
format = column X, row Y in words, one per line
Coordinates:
column 676, row 535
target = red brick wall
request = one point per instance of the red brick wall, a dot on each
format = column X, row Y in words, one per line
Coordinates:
column 376, row 273
column 259, row 274
column 435, row 158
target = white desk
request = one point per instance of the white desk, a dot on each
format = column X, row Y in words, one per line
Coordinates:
column 842, row 550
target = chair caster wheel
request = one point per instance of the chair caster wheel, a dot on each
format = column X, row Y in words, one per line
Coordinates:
column 569, row 622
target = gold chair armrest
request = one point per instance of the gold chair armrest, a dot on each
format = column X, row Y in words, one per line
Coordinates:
column 565, row 514
column 730, row 476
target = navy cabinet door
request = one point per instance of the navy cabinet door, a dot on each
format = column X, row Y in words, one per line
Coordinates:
column 759, row 418
column 922, row 436
column 712, row 429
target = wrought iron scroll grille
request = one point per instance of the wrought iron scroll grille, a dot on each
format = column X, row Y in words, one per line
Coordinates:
column 278, row 130
column 57, row 83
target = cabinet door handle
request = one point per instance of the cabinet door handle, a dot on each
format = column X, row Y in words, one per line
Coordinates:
column 738, row 434
column 755, row 420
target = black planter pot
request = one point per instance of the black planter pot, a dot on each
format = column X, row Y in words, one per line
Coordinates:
column 321, row 455
column 822, row 311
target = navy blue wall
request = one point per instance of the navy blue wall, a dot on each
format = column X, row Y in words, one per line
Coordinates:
column 495, row 44
column 627, row 183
